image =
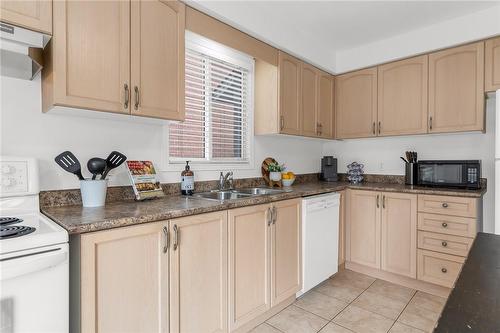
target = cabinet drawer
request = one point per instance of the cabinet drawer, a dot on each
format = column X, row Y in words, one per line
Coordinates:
column 447, row 205
column 438, row 268
column 456, row 245
column 445, row 224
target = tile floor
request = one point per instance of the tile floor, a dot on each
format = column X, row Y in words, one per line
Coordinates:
column 352, row 302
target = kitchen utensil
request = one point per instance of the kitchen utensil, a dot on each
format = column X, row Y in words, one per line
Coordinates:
column 68, row 161
column 96, row 166
column 404, row 160
column 114, row 160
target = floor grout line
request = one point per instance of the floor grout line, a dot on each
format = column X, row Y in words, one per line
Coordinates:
column 413, row 296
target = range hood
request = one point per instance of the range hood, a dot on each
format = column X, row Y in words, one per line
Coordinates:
column 21, row 51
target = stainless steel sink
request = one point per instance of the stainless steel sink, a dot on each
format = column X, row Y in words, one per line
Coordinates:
column 222, row 195
column 237, row 194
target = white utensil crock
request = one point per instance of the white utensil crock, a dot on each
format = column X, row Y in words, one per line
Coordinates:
column 93, row 192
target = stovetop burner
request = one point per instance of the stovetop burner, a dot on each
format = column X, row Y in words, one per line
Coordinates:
column 12, row 231
column 9, row 220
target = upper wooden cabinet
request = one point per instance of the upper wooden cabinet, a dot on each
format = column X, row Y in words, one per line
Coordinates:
column 402, row 97
column 91, row 64
column 30, row 14
column 115, row 266
column 456, row 89
column 356, row 104
column 492, row 64
column 289, row 94
column 157, row 59
column 326, row 108
column 309, row 100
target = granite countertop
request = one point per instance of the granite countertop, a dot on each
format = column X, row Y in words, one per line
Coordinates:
column 474, row 303
column 76, row 219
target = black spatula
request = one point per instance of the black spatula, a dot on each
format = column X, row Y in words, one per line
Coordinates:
column 114, row 160
column 70, row 163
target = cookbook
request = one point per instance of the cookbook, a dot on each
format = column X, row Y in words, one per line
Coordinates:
column 144, row 180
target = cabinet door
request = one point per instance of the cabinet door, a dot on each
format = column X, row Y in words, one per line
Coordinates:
column 326, row 106
column 198, row 273
column 402, row 97
column 356, row 104
column 399, row 234
column 289, row 90
column 249, row 254
column 456, row 89
column 124, row 280
column 363, row 228
column 492, row 64
column 30, row 14
column 89, row 56
column 286, row 258
column 157, row 59
column 309, row 98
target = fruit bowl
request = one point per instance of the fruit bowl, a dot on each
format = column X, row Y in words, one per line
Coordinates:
column 287, row 178
column 288, row 182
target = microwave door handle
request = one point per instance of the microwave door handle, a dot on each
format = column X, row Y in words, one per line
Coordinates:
column 31, row 263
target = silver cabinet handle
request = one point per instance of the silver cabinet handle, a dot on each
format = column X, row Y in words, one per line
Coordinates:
column 378, row 201
column 166, row 239
column 373, row 128
column 282, row 123
column 127, row 96
column 445, row 205
column 269, row 216
column 275, row 215
column 444, row 244
column 430, row 123
column 383, row 201
column 379, row 127
column 136, row 90
column 176, row 237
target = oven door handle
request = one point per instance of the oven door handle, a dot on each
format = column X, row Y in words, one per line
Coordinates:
column 31, row 263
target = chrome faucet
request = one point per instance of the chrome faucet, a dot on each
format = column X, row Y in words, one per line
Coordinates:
column 223, row 179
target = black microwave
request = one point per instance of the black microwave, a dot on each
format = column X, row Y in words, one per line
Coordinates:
column 448, row 173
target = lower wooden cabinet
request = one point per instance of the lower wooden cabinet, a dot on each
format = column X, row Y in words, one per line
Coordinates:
column 264, row 258
column 439, row 268
column 123, row 283
column 381, row 231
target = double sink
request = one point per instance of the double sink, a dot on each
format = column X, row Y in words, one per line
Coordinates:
column 223, row 195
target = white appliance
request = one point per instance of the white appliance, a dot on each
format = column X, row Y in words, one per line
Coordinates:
column 320, row 239
column 21, row 51
column 34, row 255
column 497, row 163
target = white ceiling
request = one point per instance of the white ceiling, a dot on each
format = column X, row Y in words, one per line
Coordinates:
column 317, row 30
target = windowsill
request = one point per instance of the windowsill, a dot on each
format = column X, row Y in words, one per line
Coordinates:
column 210, row 166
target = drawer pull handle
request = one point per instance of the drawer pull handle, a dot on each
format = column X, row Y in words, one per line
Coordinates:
column 444, row 270
column 444, row 244
column 445, row 205
column 444, row 224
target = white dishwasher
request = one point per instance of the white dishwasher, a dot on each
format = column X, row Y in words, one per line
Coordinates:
column 320, row 239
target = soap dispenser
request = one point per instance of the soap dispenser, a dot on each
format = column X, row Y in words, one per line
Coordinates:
column 187, row 180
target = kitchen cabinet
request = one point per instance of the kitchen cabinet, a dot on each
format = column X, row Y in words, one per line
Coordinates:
column 363, row 236
column 115, row 266
column 157, row 59
column 198, row 273
column 402, row 97
column 356, row 104
column 326, row 108
column 399, row 234
column 264, row 258
column 290, row 120
column 30, row 14
column 134, row 63
column 456, row 89
column 309, row 100
column 438, row 268
column 286, row 244
column 492, row 64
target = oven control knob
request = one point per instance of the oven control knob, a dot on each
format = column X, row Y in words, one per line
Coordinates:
column 6, row 169
column 6, row 182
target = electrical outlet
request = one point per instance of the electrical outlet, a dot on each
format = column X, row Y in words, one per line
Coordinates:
column 381, row 166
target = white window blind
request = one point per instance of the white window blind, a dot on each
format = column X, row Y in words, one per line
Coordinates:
column 216, row 127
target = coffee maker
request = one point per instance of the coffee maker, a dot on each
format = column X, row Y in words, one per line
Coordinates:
column 329, row 169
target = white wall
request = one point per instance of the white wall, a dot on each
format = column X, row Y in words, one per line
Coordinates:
column 472, row 27
column 381, row 155
column 26, row 131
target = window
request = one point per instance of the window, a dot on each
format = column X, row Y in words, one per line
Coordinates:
column 219, row 97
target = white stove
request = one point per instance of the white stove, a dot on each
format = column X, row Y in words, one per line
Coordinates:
column 34, row 255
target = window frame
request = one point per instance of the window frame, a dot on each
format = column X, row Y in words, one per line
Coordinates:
column 216, row 50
